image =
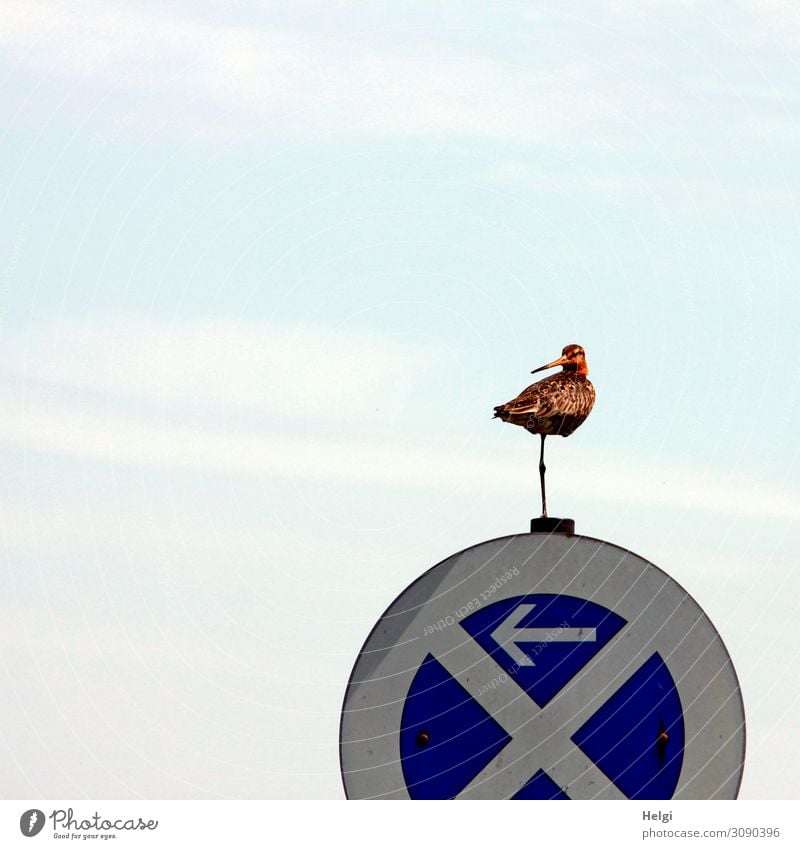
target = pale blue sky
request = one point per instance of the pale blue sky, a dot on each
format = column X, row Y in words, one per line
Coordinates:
column 265, row 269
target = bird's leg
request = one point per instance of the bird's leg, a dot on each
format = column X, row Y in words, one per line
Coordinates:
column 542, row 469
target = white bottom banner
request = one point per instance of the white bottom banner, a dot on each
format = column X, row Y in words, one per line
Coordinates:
column 144, row 824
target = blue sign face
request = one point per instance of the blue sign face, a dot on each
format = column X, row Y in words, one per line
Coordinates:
column 542, row 641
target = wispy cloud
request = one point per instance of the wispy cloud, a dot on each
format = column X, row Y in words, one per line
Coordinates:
column 697, row 194
column 322, row 375
column 148, row 70
column 302, row 369
column 289, row 82
column 45, row 428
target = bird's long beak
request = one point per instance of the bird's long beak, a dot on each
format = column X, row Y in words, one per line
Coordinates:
column 559, row 362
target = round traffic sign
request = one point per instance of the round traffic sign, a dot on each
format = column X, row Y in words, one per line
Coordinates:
column 543, row 667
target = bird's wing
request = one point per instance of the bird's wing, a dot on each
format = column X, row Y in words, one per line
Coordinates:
column 541, row 399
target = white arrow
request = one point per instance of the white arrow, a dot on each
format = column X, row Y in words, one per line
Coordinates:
column 508, row 633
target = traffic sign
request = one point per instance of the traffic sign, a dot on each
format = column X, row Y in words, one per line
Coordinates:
column 543, row 666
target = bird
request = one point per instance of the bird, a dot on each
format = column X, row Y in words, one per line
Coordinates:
column 554, row 406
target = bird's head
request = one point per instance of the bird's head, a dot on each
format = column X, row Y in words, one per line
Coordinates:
column 573, row 358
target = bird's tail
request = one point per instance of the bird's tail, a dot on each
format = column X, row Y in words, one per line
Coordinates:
column 500, row 412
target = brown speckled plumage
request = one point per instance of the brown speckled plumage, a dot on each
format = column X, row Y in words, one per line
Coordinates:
column 555, row 406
